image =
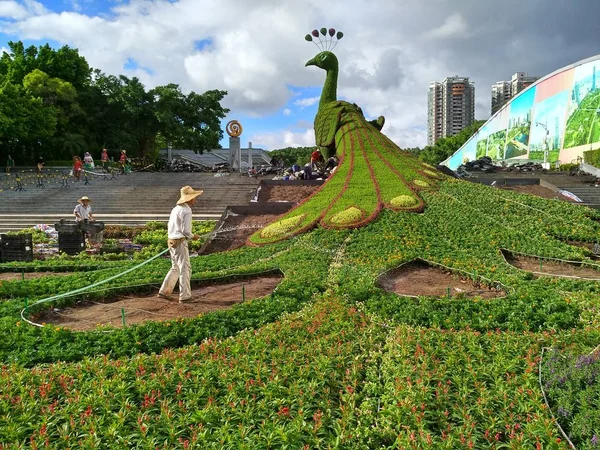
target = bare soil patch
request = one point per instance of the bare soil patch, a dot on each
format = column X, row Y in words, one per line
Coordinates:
column 87, row 315
column 285, row 193
column 550, row 267
column 538, row 191
column 236, row 230
column 12, row 276
column 417, row 278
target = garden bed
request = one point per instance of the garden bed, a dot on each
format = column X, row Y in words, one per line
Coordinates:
column 12, row 276
column 549, row 267
column 239, row 230
column 420, row 279
column 285, row 193
column 87, row 315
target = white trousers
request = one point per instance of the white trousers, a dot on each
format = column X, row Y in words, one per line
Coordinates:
column 181, row 270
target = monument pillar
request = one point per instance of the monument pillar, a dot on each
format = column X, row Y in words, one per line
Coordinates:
column 234, row 129
column 234, row 153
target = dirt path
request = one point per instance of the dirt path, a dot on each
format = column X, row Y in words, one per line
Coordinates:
column 11, row 276
column 139, row 308
column 285, row 193
column 550, row 268
column 418, row 278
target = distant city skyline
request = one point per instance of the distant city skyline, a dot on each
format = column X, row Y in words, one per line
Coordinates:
column 256, row 51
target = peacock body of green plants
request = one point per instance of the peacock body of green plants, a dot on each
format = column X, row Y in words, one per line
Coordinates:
column 373, row 172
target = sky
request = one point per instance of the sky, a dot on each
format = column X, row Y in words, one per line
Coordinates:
column 256, row 51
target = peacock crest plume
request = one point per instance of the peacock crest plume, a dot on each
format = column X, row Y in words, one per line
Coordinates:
column 328, row 41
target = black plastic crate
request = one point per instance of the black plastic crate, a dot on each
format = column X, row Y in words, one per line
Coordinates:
column 71, row 236
column 92, row 227
column 17, row 255
column 67, row 227
column 17, row 242
column 71, row 248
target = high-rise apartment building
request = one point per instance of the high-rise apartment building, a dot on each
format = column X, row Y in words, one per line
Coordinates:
column 500, row 94
column 503, row 91
column 519, row 81
column 450, row 107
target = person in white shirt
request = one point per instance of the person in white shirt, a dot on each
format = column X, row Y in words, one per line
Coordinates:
column 83, row 210
column 179, row 232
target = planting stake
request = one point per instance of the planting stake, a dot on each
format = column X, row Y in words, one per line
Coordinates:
column 22, row 275
column 123, row 317
column 26, row 306
column 540, row 265
column 448, row 291
column 243, row 293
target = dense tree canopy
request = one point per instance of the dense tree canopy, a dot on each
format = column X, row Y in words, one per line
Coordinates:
column 293, row 155
column 52, row 104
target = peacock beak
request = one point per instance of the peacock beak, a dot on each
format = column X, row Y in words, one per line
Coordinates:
column 312, row 62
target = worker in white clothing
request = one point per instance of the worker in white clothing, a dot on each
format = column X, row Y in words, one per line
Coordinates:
column 179, row 232
column 83, row 210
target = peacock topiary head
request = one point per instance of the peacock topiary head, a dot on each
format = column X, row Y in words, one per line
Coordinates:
column 325, row 60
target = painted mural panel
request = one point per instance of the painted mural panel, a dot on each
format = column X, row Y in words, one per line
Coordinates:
column 519, row 124
column 549, row 115
column 556, row 119
column 583, row 126
column 482, row 141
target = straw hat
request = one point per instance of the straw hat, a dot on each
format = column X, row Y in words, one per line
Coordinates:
column 123, row 151
column 85, row 197
column 187, row 194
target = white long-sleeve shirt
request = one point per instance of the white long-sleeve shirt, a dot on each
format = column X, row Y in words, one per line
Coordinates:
column 180, row 222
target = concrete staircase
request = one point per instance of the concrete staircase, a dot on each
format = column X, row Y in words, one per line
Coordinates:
column 128, row 199
column 590, row 194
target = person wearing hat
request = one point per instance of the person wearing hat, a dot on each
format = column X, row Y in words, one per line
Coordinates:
column 88, row 162
column 179, row 232
column 83, row 210
column 122, row 161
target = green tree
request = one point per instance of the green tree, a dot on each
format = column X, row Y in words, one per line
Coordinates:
column 24, row 122
column 445, row 147
column 293, row 155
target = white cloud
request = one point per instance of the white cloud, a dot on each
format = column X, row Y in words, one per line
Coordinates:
column 12, row 10
column 454, row 26
column 287, row 112
column 304, row 102
column 284, row 138
column 257, row 52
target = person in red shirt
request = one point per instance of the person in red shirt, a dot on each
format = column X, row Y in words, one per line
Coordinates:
column 315, row 157
column 77, row 167
column 104, row 159
column 122, row 161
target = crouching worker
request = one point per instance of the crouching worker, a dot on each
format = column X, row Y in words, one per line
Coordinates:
column 179, row 232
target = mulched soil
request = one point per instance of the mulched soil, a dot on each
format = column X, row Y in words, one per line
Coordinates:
column 88, row 315
column 418, row 278
column 538, row 191
column 285, row 193
column 241, row 227
column 551, row 268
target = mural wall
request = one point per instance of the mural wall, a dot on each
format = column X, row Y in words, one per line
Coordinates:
column 555, row 119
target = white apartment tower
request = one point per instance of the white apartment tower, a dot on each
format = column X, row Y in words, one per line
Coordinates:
column 503, row 91
column 450, row 107
column 500, row 95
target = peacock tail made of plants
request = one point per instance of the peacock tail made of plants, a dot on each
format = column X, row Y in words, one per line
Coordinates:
column 373, row 173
